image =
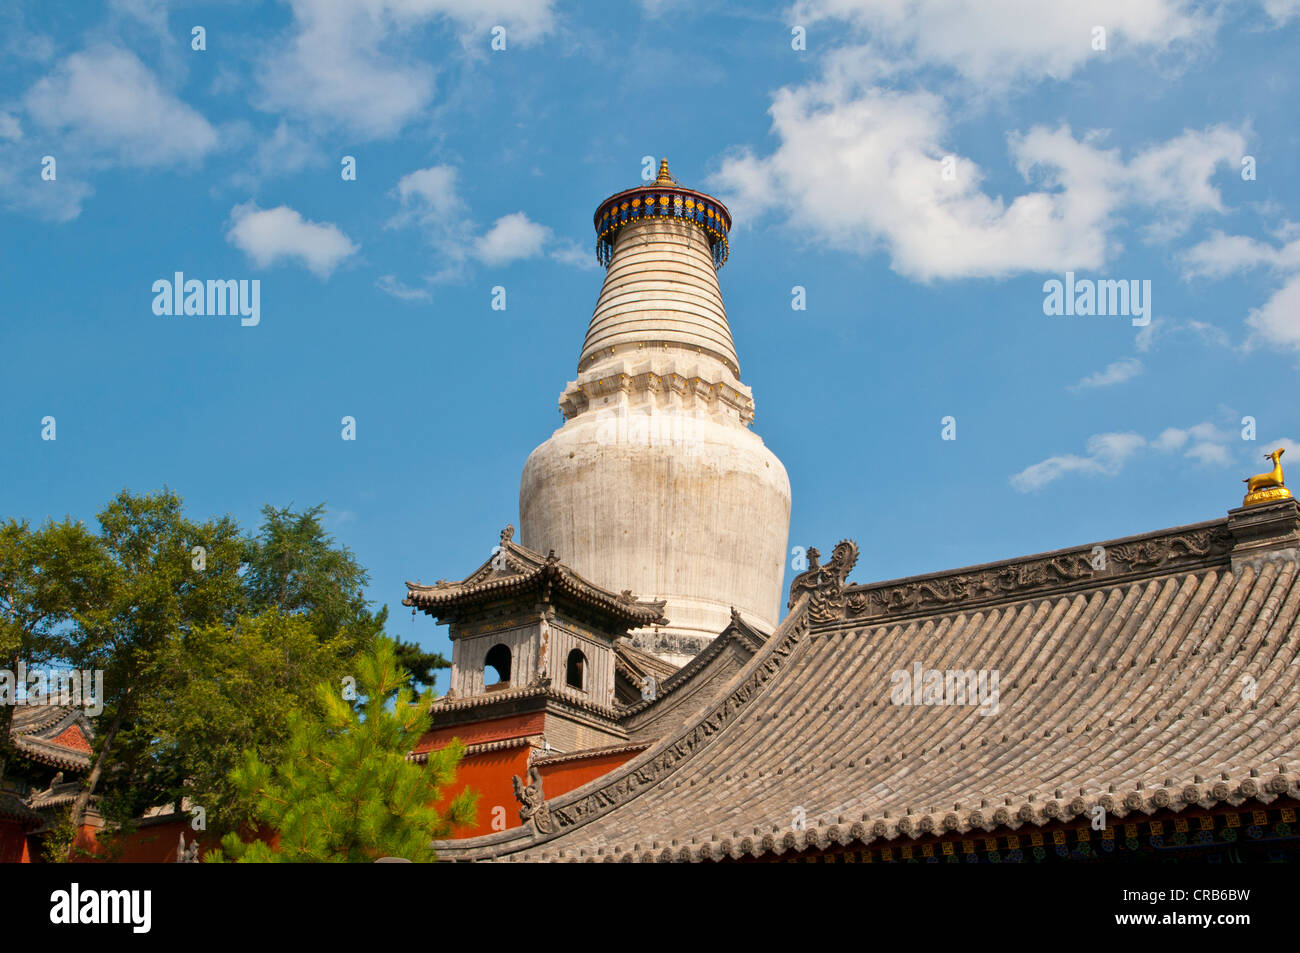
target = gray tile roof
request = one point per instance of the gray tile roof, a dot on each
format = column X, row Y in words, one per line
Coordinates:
column 1165, row 680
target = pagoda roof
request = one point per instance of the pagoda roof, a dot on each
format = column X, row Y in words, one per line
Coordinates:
column 1121, row 686
column 514, row 570
column 14, row 808
column 56, row 735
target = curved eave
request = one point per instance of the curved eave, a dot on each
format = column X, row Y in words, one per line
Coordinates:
column 53, row 755
column 430, row 599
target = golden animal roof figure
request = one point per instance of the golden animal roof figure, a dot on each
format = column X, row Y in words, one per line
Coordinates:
column 1267, row 487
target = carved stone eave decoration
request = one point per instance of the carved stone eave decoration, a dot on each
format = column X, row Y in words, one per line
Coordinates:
column 532, row 802
column 1185, row 550
column 187, row 854
column 825, row 584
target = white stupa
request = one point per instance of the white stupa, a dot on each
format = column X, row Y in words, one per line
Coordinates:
column 655, row 483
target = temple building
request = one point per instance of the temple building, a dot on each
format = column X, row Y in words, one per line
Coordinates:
column 627, row 691
column 51, row 746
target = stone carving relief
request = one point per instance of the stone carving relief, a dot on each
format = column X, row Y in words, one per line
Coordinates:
column 1031, row 575
column 532, row 802
column 825, row 584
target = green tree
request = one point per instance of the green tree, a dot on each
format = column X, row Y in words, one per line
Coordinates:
column 296, row 567
column 222, row 690
column 207, row 638
column 157, row 588
column 49, row 577
column 345, row 791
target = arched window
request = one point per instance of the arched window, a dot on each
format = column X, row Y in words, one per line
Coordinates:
column 575, row 670
column 498, row 661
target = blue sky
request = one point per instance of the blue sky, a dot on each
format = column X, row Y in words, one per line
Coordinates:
column 478, row 168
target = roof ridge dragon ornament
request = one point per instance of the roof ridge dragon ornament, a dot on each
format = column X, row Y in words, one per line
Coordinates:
column 532, row 802
column 825, row 584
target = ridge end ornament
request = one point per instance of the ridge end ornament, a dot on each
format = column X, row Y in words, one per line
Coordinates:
column 1267, row 487
column 825, row 584
column 532, row 802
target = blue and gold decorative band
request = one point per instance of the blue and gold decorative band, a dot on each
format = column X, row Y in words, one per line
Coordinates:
column 684, row 205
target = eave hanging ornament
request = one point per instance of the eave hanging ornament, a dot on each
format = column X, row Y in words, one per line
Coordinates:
column 1267, row 487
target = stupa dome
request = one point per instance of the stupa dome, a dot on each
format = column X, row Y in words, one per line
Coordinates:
column 655, row 481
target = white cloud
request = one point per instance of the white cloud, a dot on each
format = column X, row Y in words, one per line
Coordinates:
column 1204, row 442
column 429, row 194
column 430, row 198
column 286, row 151
column 1171, row 439
column 1209, row 453
column 1106, row 455
column 23, row 190
column 511, row 238
column 862, row 170
column 999, row 41
column 152, row 13
column 1221, row 255
column 1277, row 321
column 1282, row 10
column 390, row 285
column 105, row 102
column 1289, row 444
column 271, row 235
column 10, row 128
column 1116, row 372
column 358, row 64
column 571, row 253
column 1159, row 329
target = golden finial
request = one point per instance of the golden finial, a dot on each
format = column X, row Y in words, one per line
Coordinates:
column 1267, row 487
column 664, row 177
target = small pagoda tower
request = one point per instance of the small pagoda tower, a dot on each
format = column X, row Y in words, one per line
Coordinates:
column 532, row 639
column 655, row 480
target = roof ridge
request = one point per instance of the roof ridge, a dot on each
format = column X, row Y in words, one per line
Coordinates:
column 1188, row 548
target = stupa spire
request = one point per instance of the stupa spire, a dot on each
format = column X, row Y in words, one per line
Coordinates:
column 662, row 245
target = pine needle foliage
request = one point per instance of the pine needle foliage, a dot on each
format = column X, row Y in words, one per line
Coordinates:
column 345, row 791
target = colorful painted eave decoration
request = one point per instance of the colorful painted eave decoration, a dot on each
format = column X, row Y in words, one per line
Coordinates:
column 685, row 205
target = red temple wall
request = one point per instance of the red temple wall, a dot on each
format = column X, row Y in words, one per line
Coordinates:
column 13, row 843
column 490, row 774
column 570, row 775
